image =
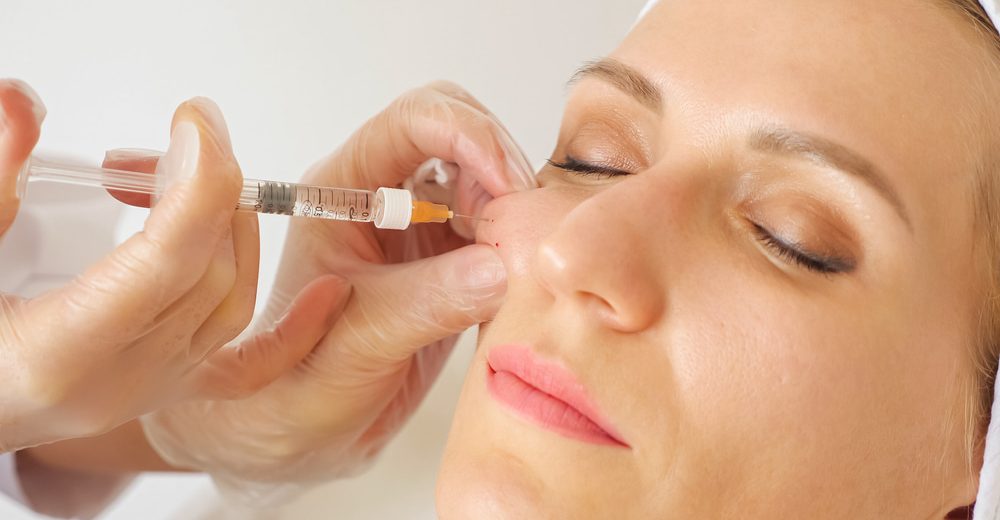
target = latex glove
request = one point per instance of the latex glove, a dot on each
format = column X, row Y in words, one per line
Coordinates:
column 413, row 291
column 142, row 328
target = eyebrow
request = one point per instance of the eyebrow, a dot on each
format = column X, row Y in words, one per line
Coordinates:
column 624, row 78
column 829, row 153
column 773, row 140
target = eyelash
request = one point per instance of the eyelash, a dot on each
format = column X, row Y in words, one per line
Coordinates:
column 789, row 252
column 826, row 266
column 574, row 165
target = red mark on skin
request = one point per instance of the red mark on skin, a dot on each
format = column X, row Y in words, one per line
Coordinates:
column 497, row 244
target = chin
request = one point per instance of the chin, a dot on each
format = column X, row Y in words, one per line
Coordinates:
column 485, row 488
column 480, row 479
column 498, row 464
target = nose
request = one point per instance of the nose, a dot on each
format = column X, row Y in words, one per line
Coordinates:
column 597, row 261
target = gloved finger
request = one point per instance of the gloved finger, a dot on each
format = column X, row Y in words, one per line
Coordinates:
column 470, row 199
column 443, row 182
column 240, row 370
column 400, row 308
column 523, row 166
column 457, row 92
column 226, row 292
column 21, row 115
column 423, row 124
column 154, row 268
column 180, row 323
column 132, row 160
column 234, row 312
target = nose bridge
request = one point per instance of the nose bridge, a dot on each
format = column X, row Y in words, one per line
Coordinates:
column 604, row 256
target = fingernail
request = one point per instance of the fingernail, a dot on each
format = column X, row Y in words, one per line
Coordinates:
column 486, row 269
column 181, row 160
column 213, row 117
column 125, row 154
column 37, row 107
column 522, row 176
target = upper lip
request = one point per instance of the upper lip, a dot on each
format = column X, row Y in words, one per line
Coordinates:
column 550, row 377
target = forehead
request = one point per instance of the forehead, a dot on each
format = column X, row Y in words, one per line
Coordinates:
column 894, row 79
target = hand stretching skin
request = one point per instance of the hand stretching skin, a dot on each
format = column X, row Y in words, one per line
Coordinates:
column 413, row 291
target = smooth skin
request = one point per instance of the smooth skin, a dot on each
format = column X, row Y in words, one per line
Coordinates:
column 746, row 384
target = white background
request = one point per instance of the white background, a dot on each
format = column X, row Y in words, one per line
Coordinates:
column 294, row 79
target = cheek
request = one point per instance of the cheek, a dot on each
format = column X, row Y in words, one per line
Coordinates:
column 768, row 378
column 518, row 222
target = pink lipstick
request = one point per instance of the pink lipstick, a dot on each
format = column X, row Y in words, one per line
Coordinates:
column 547, row 394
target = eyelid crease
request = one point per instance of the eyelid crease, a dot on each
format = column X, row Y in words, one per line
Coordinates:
column 823, row 264
column 782, row 141
column 609, row 135
column 796, row 211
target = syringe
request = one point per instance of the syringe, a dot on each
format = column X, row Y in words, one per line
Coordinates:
column 387, row 208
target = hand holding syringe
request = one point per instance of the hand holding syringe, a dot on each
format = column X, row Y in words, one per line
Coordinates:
column 387, row 208
column 156, row 310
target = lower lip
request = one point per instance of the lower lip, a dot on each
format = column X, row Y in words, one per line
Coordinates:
column 544, row 410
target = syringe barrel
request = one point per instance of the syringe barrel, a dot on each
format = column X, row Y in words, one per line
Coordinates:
column 387, row 208
column 300, row 200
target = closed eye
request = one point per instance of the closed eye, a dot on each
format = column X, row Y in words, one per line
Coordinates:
column 574, row 165
column 795, row 254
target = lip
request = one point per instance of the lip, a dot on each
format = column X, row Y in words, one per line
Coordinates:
column 547, row 394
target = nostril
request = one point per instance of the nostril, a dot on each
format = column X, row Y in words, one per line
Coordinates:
column 608, row 314
column 621, row 312
column 599, row 306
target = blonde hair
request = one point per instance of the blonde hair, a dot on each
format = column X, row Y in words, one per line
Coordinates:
column 986, row 200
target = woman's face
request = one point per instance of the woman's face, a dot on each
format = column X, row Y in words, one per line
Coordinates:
column 755, row 297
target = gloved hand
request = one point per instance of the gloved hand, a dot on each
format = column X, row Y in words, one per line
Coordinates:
column 413, row 291
column 143, row 327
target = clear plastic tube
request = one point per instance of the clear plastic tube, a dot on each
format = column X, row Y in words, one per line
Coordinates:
column 387, row 208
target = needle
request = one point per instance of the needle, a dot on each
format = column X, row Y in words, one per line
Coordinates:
column 470, row 217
